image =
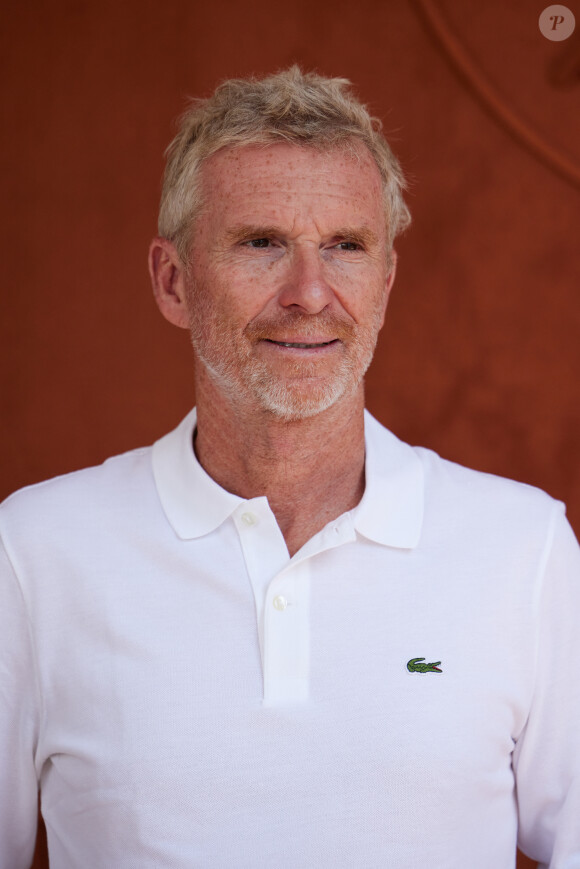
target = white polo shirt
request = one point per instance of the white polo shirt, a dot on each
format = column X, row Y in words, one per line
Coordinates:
column 187, row 695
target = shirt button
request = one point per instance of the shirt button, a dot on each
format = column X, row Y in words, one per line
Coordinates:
column 280, row 603
column 249, row 518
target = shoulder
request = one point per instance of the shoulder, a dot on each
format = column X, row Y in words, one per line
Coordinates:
column 452, row 487
column 72, row 498
column 487, row 516
column 454, row 498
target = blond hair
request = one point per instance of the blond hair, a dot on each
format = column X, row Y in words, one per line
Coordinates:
column 290, row 106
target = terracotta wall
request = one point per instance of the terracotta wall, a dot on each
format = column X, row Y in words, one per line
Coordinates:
column 480, row 355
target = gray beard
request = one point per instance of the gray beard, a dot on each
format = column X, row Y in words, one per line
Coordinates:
column 241, row 377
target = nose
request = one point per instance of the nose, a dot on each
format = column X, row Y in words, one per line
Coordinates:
column 305, row 285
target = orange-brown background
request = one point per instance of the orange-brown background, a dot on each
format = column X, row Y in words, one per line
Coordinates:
column 480, row 355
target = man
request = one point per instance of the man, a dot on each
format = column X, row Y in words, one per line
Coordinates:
column 281, row 637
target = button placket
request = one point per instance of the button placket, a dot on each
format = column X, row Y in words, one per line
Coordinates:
column 287, row 637
column 265, row 556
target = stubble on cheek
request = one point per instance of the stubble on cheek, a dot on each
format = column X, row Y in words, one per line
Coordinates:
column 289, row 389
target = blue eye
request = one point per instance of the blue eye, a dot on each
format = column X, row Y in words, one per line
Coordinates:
column 260, row 242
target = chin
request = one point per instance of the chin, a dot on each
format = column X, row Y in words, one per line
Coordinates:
column 293, row 403
column 301, row 394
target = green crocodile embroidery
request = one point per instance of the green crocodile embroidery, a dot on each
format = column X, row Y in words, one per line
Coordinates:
column 415, row 666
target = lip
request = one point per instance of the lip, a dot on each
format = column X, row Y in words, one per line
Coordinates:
column 299, row 343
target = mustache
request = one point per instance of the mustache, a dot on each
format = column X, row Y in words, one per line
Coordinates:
column 323, row 326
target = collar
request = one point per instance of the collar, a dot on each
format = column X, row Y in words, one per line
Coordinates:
column 391, row 509
column 193, row 502
column 390, row 512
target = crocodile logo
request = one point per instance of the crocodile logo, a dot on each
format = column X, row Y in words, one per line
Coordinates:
column 415, row 666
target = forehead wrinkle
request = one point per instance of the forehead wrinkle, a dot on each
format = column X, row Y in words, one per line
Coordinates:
column 229, row 182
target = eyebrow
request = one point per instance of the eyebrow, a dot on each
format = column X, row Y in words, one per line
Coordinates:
column 246, row 232
column 362, row 235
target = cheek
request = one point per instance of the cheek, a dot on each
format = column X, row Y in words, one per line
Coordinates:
column 215, row 311
column 243, row 292
column 363, row 296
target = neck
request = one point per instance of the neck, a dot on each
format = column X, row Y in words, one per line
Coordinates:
column 311, row 470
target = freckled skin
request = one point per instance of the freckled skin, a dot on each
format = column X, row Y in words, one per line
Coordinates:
column 289, row 248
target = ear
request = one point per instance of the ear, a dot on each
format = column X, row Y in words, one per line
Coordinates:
column 389, row 282
column 168, row 279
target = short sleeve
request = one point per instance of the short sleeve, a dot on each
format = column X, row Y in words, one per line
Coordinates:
column 547, row 755
column 18, row 726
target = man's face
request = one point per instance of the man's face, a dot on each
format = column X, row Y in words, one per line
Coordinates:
column 289, row 278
